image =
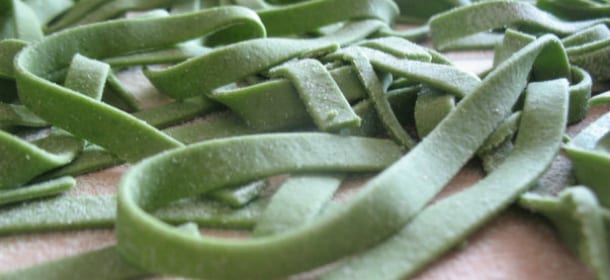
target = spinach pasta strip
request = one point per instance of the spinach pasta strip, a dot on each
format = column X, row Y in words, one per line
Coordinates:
column 87, row 76
column 297, row 203
column 38, row 190
column 91, row 158
column 177, row 111
column 240, row 196
column 430, row 109
column 18, row 115
column 86, row 265
column 494, row 14
column 47, row 10
column 446, row 77
column 85, row 212
column 420, row 241
column 140, row 236
column 589, row 49
column 398, row 47
column 76, row 12
column 102, row 10
column 8, row 49
column 237, row 61
column 590, row 155
column 320, row 94
column 252, row 57
column 275, row 153
column 21, row 160
column 421, row 10
column 376, row 94
column 581, row 83
column 577, row 215
column 19, row 21
column 43, row 59
column 600, row 99
column 306, row 16
column 282, row 95
column 575, row 10
column 250, row 102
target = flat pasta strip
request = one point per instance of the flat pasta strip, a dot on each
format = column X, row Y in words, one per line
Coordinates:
column 447, row 222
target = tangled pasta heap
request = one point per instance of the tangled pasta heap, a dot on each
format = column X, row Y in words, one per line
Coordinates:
column 306, row 88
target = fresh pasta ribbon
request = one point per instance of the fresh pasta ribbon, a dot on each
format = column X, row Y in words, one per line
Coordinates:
column 85, row 212
column 590, row 154
column 87, row 12
column 575, row 9
column 321, row 95
column 40, row 61
column 589, row 49
column 383, row 193
column 309, row 15
column 420, row 240
column 575, row 212
column 273, row 154
column 23, row 160
column 495, row 14
column 205, row 156
column 19, row 21
column 38, row 190
column 421, row 11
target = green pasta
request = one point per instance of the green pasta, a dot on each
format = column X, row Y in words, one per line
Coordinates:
column 236, row 92
column 275, row 154
column 495, row 14
column 37, row 190
column 421, row 240
column 298, row 202
column 321, row 95
column 52, row 54
column 589, row 154
column 579, row 219
column 375, row 91
column 241, row 195
column 81, row 212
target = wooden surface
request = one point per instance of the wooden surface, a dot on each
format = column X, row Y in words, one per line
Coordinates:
column 515, row 245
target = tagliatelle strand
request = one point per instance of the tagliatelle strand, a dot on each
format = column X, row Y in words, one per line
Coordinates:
column 224, row 69
column 297, row 203
column 577, row 9
column 430, row 109
column 298, row 250
column 80, row 266
column 575, row 212
column 417, row 244
column 38, row 190
column 600, row 99
column 19, row 21
column 103, row 10
column 22, row 160
column 305, row 16
column 590, row 155
column 376, row 94
column 581, row 82
column 275, row 153
column 445, row 77
column 320, row 94
column 240, row 196
column 87, row 212
column 43, row 59
column 249, row 102
column 486, row 15
column 48, row 10
column 8, row 49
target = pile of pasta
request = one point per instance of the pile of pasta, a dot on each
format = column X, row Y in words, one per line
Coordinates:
column 319, row 90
